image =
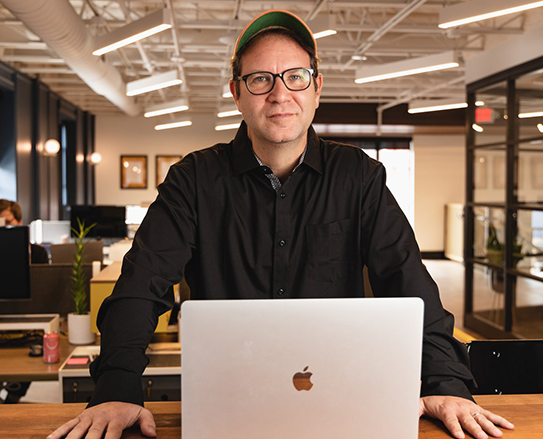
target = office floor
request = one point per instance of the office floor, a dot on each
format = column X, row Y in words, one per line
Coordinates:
column 449, row 276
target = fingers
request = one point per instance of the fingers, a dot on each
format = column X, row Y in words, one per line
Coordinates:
column 498, row 420
column 111, row 418
column 452, row 424
column 63, row 429
column 147, row 423
column 460, row 414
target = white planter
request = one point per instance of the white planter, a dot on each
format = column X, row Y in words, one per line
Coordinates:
column 79, row 329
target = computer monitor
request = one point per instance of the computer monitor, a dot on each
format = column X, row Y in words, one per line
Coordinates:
column 14, row 263
column 110, row 220
column 51, row 232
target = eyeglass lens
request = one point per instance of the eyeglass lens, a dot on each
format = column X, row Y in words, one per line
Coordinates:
column 294, row 79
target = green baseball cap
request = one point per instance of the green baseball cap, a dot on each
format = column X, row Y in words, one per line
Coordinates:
column 273, row 19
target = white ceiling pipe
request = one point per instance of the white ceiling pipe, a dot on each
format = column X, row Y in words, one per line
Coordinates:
column 58, row 25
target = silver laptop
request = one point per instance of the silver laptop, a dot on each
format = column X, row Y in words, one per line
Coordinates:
column 301, row 368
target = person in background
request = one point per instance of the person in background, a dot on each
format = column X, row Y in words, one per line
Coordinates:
column 13, row 214
column 277, row 213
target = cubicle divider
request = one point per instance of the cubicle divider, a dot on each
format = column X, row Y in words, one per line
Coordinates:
column 50, row 290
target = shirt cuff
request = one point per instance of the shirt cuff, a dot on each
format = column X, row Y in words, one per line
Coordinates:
column 445, row 386
column 117, row 385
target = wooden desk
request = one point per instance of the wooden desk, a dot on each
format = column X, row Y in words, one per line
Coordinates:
column 17, row 365
column 33, row 421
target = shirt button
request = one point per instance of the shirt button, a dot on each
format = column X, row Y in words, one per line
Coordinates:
column 283, row 195
column 280, row 291
column 282, row 243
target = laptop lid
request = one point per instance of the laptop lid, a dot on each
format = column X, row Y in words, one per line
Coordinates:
column 301, row 368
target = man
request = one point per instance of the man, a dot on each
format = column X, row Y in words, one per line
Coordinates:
column 276, row 213
column 13, row 214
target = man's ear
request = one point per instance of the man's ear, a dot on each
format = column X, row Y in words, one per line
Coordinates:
column 318, row 82
column 232, row 86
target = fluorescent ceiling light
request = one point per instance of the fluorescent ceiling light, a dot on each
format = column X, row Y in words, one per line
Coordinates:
column 540, row 127
column 230, row 126
column 414, row 66
column 228, row 113
column 155, row 82
column 323, row 26
column 478, row 10
column 168, row 126
column 226, row 93
column 425, row 106
column 529, row 115
column 166, row 108
column 477, row 128
column 132, row 32
column 435, row 105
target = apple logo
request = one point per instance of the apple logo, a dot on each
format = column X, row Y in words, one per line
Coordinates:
column 302, row 380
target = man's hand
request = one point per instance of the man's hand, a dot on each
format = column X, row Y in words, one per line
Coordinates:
column 110, row 418
column 460, row 414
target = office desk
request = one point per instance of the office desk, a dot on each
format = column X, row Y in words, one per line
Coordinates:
column 33, row 421
column 17, row 365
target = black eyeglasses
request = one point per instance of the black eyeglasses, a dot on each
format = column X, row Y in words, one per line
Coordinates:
column 260, row 83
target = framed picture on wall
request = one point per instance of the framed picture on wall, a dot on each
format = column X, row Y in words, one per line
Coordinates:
column 133, row 172
column 537, row 173
column 163, row 163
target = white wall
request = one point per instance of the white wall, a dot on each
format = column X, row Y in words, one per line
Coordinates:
column 439, row 179
column 124, row 135
column 439, row 166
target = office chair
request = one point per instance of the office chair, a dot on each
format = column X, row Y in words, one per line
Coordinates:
column 507, row 366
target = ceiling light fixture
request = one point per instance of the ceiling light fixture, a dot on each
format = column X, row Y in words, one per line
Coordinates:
column 426, row 106
column 540, row 127
column 530, row 115
column 478, row 10
column 132, row 32
column 323, row 26
column 155, row 82
column 167, row 108
column 414, row 66
column 477, row 128
column 228, row 113
column 230, row 126
column 168, row 126
column 435, row 105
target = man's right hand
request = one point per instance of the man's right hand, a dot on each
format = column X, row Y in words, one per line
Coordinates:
column 110, row 418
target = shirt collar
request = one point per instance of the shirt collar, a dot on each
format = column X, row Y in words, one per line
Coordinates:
column 244, row 160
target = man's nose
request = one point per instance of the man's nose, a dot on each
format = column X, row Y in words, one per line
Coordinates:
column 280, row 92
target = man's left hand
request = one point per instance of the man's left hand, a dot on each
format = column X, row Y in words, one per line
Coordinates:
column 459, row 414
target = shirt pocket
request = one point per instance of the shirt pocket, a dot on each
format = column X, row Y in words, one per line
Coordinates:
column 330, row 250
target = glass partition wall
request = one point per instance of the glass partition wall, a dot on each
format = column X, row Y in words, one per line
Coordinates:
column 504, row 204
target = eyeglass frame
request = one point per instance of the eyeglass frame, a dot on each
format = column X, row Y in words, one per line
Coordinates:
column 275, row 76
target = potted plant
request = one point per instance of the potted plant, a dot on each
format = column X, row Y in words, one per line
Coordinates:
column 79, row 323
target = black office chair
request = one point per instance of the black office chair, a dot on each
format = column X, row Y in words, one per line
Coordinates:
column 507, row 366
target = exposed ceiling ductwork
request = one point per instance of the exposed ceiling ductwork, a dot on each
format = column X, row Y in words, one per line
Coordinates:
column 57, row 24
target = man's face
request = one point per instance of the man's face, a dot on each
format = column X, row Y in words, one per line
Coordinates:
column 280, row 116
column 10, row 219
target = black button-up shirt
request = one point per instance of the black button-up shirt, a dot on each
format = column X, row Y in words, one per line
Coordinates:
column 218, row 222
